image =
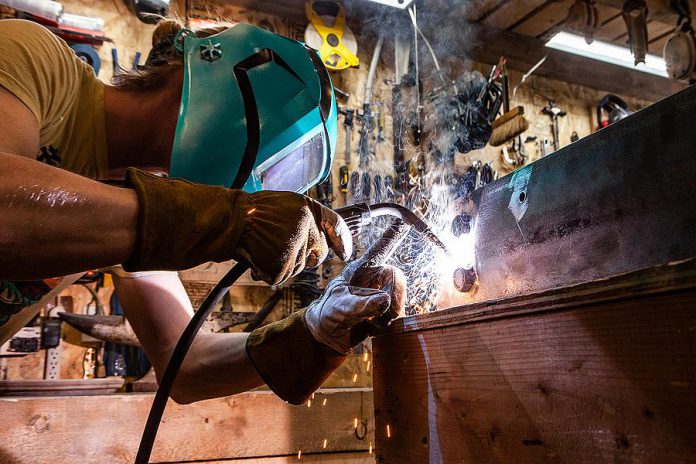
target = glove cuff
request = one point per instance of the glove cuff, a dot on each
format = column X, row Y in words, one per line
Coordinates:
column 181, row 224
column 289, row 359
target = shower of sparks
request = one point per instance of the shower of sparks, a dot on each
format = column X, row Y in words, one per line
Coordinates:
column 428, row 269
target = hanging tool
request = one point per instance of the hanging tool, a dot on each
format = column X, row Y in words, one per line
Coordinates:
column 582, row 19
column 327, row 32
column 512, row 122
column 635, row 15
column 362, row 186
column 680, row 49
column 610, row 110
column 554, row 112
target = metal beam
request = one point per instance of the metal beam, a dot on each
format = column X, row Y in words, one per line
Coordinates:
column 617, row 201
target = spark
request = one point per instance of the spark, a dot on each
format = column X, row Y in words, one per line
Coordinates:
column 388, row 431
column 370, row 449
column 355, row 378
column 368, row 366
column 299, row 454
column 355, row 423
column 251, row 211
column 325, row 442
column 365, row 356
column 309, row 403
column 323, row 403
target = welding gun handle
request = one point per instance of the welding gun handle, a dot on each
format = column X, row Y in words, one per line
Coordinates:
column 356, row 216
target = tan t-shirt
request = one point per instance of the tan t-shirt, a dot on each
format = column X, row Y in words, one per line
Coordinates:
column 68, row 101
column 62, row 91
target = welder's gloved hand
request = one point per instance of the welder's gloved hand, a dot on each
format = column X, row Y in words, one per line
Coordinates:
column 374, row 294
column 295, row 355
column 181, row 225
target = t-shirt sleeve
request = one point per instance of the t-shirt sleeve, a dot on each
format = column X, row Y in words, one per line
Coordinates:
column 38, row 68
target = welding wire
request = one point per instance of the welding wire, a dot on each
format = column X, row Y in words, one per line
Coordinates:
column 177, row 358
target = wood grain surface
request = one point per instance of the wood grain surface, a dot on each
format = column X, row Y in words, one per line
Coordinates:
column 606, row 379
column 107, row 429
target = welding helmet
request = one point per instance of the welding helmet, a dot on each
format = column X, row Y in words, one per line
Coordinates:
column 257, row 112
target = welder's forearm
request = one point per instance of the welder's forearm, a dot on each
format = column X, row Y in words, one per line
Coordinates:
column 158, row 309
column 55, row 222
column 217, row 365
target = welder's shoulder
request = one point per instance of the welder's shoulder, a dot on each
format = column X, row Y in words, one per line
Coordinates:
column 35, row 65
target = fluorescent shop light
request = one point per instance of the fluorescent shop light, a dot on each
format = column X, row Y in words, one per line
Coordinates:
column 606, row 52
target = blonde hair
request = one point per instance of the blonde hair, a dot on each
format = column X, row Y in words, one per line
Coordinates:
column 164, row 59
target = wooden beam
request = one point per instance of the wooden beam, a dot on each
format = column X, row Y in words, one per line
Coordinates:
column 523, row 52
column 603, row 378
column 107, row 428
column 659, row 10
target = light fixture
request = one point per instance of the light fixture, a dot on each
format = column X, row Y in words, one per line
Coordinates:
column 606, row 52
column 400, row 4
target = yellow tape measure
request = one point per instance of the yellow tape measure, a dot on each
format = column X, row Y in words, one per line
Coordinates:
column 335, row 42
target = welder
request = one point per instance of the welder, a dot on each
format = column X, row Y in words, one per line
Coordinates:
column 202, row 154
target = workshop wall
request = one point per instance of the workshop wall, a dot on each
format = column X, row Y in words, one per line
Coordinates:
column 130, row 36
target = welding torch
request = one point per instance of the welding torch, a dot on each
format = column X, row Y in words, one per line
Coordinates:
column 361, row 214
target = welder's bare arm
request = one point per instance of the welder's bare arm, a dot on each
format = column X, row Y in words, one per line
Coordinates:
column 158, row 309
column 54, row 222
column 57, row 223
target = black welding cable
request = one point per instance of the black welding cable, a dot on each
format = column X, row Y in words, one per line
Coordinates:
column 176, row 360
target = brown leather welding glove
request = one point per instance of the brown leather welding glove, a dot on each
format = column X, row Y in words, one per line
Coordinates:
column 295, row 355
column 182, row 225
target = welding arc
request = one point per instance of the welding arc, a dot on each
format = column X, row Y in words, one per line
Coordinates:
column 182, row 346
column 410, row 218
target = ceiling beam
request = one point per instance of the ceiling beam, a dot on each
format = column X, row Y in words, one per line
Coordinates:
column 658, row 10
column 523, row 52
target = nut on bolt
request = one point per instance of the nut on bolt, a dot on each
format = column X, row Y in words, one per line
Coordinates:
column 461, row 224
column 464, row 279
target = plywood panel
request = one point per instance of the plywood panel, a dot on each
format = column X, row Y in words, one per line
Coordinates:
column 545, row 19
column 588, row 379
column 100, row 429
column 512, row 11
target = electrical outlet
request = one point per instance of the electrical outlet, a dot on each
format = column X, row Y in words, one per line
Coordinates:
column 52, row 364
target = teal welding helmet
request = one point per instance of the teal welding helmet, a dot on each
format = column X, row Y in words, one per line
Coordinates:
column 257, row 112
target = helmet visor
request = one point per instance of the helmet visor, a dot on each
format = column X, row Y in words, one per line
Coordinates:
column 297, row 167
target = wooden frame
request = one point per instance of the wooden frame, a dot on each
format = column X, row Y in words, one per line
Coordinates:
column 598, row 372
column 107, row 428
